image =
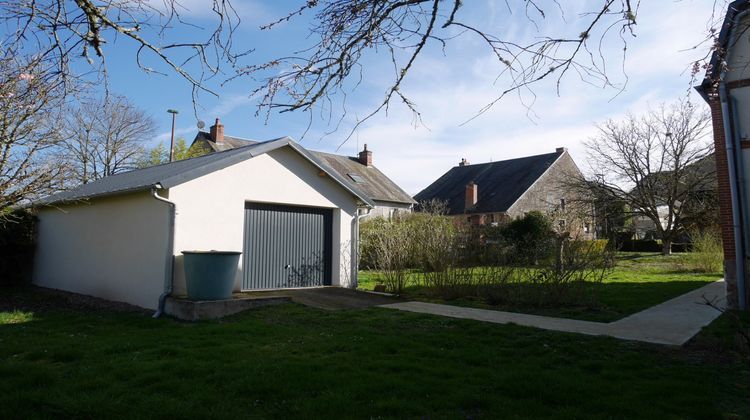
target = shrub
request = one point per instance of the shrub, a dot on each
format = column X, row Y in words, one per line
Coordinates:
column 531, row 237
column 390, row 249
column 707, row 255
column 483, row 262
column 17, row 245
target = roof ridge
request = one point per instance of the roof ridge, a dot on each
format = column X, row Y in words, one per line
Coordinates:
column 507, row 160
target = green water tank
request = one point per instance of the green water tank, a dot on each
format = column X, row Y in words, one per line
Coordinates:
column 209, row 275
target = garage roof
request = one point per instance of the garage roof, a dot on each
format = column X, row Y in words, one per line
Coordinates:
column 175, row 173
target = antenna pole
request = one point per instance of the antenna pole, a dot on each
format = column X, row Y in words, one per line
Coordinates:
column 171, row 141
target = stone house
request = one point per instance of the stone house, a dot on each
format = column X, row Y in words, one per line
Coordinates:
column 496, row 192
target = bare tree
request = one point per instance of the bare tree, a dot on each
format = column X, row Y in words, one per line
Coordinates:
column 28, row 100
column 655, row 164
column 345, row 31
column 61, row 33
column 105, row 137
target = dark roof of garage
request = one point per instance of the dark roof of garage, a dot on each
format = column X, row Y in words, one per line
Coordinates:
column 171, row 174
column 500, row 184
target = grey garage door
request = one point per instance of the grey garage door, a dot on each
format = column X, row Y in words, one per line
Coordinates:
column 286, row 246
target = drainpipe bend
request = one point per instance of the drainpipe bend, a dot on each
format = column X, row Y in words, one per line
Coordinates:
column 169, row 258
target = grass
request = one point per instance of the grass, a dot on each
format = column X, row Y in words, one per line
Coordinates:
column 291, row 362
column 639, row 281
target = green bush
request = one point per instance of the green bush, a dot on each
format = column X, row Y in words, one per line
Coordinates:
column 531, row 238
column 17, row 245
column 707, row 255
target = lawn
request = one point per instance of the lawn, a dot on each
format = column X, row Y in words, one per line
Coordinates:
column 294, row 361
column 639, row 281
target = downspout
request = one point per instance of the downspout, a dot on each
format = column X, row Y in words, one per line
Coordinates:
column 169, row 259
column 355, row 246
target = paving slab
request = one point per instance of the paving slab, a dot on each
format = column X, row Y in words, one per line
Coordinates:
column 673, row 322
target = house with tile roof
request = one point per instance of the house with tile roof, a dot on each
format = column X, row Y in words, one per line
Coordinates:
column 359, row 171
column 495, row 192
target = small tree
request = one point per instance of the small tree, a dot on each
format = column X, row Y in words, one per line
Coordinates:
column 159, row 154
column 29, row 99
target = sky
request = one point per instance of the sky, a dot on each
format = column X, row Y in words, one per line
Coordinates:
column 449, row 87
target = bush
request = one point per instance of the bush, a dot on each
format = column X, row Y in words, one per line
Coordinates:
column 708, row 254
column 390, row 250
column 531, row 237
column 17, row 245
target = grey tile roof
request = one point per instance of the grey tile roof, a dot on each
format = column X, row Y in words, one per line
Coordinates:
column 376, row 185
column 228, row 143
column 171, row 174
column 500, row 184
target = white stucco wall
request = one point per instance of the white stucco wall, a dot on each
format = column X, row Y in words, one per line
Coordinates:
column 387, row 209
column 112, row 248
column 211, row 209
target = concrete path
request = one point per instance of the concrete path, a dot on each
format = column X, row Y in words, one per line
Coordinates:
column 673, row 322
column 329, row 297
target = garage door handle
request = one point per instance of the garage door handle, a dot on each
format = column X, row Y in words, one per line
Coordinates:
column 287, row 266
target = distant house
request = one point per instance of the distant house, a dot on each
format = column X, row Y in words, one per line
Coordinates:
column 359, row 171
column 704, row 211
column 496, row 192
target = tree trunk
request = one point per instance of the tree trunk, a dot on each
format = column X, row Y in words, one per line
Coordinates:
column 666, row 247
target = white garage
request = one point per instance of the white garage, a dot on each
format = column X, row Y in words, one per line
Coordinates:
column 120, row 238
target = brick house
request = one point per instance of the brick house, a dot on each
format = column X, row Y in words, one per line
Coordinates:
column 359, row 171
column 496, row 192
column 726, row 89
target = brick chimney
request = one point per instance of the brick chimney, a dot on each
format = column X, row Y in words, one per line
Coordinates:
column 463, row 162
column 561, row 150
column 472, row 193
column 365, row 156
column 217, row 132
